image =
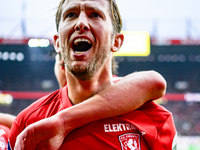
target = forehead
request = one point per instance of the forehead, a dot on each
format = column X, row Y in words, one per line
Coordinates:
column 93, row 4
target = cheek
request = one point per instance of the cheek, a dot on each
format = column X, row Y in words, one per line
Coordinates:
column 105, row 31
column 63, row 36
column 65, row 32
column 105, row 38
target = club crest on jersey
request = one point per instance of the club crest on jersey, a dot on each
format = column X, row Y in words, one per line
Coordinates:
column 130, row 141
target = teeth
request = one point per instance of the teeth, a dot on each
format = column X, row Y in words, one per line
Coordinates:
column 81, row 40
column 79, row 53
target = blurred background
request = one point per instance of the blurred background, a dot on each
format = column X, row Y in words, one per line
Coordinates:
column 26, row 65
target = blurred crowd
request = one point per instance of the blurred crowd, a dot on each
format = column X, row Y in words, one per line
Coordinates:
column 186, row 116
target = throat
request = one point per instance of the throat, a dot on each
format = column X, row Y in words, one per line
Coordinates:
column 79, row 90
column 79, row 95
column 82, row 92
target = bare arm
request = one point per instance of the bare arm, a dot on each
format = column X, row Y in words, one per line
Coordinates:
column 126, row 95
column 6, row 119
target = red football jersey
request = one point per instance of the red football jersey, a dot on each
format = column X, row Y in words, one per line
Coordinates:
column 150, row 127
column 4, row 134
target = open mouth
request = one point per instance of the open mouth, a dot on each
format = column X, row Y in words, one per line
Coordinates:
column 81, row 45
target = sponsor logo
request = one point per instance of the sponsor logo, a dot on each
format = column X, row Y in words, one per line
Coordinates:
column 130, row 141
column 119, row 127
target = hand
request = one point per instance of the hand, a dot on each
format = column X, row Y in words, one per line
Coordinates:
column 44, row 134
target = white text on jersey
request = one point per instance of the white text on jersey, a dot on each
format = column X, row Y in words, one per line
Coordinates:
column 118, row 127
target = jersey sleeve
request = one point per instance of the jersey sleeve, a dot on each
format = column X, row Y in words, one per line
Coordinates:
column 167, row 136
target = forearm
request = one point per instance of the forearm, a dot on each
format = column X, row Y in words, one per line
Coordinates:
column 126, row 95
column 6, row 119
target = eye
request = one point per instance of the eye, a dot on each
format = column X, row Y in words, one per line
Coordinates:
column 71, row 15
column 95, row 15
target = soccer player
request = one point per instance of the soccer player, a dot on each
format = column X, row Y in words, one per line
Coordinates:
column 88, row 33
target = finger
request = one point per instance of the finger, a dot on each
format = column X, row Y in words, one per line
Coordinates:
column 19, row 144
column 24, row 141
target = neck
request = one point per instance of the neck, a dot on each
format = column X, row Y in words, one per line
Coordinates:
column 79, row 90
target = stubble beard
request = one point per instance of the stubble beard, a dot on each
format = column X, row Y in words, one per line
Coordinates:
column 86, row 72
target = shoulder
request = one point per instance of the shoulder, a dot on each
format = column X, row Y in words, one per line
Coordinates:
column 151, row 107
column 38, row 109
column 152, row 114
column 166, row 134
column 157, row 124
column 157, row 113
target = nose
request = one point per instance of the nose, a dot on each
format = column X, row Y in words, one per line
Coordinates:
column 82, row 23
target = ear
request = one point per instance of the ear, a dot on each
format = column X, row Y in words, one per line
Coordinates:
column 56, row 43
column 118, row 41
